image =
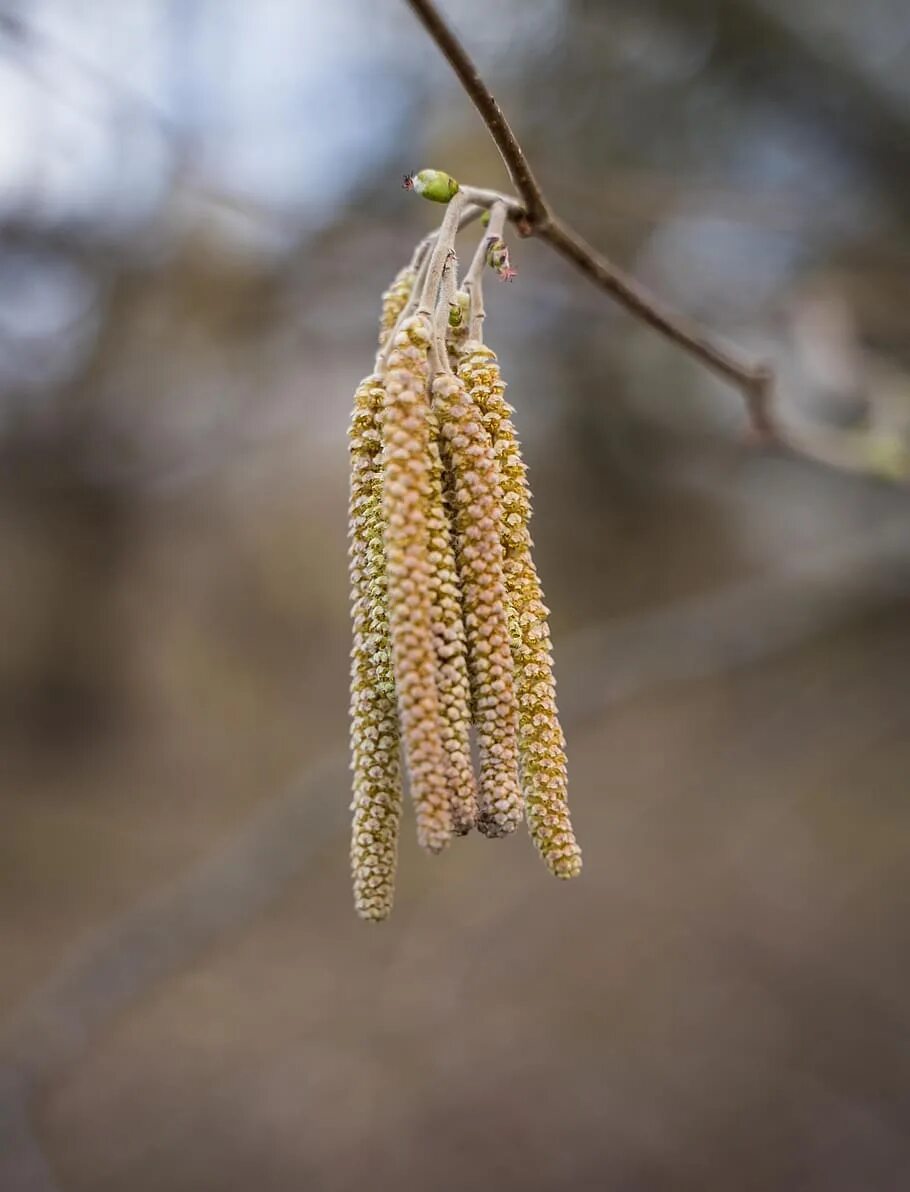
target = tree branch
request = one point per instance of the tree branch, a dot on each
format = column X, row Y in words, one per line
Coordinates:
column 490, row 112
column 753, row 378
column 534, row 217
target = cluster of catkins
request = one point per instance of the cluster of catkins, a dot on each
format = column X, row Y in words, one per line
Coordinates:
column 451, row 643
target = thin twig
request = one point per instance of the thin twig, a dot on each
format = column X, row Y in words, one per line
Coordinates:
column 445, row 238
column 470, row 212
column 534, row 216
column 473, row 283
column 421, row 252
column 447, row 299
column 490, row 112
column 751, row 377
column 420, row 264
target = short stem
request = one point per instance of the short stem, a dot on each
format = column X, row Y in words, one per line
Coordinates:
column 470, row 212
column 421, row 252
column 486, row 198
column 420, row 260
column 447, row 292
column 473, row 283
column 445, row 238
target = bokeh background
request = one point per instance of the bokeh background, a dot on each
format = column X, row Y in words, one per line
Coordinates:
column 200, row 205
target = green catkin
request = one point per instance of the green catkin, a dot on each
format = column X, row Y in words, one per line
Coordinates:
column 394, row 300
column 475, row 502
column 407, row 492
column 377, row 784
column 541, row 741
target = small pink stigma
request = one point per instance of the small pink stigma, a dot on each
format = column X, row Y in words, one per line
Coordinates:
column 407, row 181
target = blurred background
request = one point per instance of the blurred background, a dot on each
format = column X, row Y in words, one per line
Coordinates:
column 200, row 205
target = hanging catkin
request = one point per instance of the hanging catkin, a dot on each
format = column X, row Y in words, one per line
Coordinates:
column 394, row 300
column 448, row 627
column 541, row 742
column 374, row 715
column 451, row 643
column 407, row 491
column 475, row 498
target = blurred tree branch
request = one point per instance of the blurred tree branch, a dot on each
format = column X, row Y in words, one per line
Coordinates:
column 768, row 55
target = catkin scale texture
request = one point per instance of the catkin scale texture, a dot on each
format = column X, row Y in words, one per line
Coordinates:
column 541, row 741
column 452, row 682
column 407, row 490
column 377, row 786
column 474, row 495
column 394, row 300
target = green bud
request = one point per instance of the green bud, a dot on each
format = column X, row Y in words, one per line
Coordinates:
column 435, row 185
column 459, row 309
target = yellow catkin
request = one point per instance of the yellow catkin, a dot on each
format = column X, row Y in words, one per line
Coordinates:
column 475, row 499
column 452, row 674
column 407, row 490
column 541, row 742
column 394, row 300
column 374, row 714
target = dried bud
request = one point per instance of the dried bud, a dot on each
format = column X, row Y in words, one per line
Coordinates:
column 374, row 715
column 406, row 500
column 476, row 502
column 540, row 737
